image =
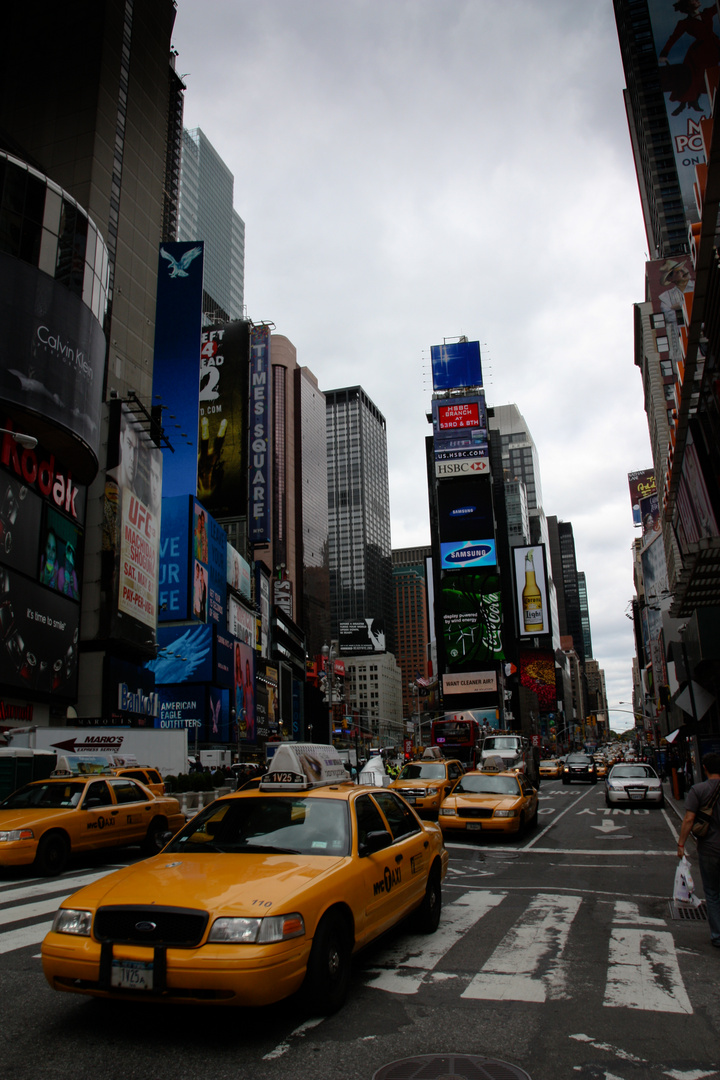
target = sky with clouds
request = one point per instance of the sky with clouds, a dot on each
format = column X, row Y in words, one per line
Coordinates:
column 413, row 170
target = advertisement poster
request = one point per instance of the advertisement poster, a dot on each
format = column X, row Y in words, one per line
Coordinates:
column 259, row 465
column 470, row 682
column 245, row 693
column 460, row 428
column 472, row 619
column 174, row 559
column 176, row 378
column 456, row 365
column 223, row 434
column 686, row 43
column 531, row 590
column 185, row 654
column 181, row 706
column 361, row 636
column 641, row 484
column 38, row 637
column 537, row 673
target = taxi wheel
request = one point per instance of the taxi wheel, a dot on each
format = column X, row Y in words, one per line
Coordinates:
column 52, row 855
column 427, row 917
column 153, row 843
column 328, row 971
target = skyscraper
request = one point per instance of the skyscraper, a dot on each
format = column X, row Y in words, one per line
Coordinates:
column 206, row 213
column 412, row 625
column 565, row 577
column 359, row 517
column 520, row 462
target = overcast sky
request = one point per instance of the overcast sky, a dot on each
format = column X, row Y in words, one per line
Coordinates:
column 413, row 170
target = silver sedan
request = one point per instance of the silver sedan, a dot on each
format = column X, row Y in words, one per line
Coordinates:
column 633, row 783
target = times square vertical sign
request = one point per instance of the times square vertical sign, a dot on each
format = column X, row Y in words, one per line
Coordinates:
column 259, row 471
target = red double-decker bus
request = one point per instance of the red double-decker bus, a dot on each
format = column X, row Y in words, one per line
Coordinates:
column 459, row 739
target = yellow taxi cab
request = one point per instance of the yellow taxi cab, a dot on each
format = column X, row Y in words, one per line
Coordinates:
column 263, row 892
column 601, row 765
column 490, row 800
column 83, row 806
column 149, row 778
column 551, row 767
column 425, row 783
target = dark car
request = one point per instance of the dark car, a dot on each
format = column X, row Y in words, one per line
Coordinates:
column 579, row 767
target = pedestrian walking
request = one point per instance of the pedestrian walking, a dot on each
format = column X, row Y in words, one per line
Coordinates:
column 708, row 845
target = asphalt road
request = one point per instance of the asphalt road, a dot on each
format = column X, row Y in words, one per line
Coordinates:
column 557, row 953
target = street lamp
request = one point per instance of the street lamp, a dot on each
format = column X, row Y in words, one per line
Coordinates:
column 28, row 442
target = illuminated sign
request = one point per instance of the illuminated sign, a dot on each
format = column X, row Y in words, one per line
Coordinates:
column 259, row 467
column 456, row 365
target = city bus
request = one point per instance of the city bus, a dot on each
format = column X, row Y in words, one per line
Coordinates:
column 458, row 738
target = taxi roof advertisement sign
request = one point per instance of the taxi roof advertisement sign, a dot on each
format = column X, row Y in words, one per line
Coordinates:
column 456, row 365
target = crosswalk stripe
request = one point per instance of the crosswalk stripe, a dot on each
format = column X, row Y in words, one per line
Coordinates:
column 539, row 936
column 644, row 972
column 23, row 936
column 407, row 962
column 61, row 887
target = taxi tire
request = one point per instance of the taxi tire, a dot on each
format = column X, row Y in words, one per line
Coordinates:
column 427, row 916
column 152, row 844
column 328, row 972
column 52, row 854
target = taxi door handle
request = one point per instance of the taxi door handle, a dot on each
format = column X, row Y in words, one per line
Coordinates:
column 426, row 843
column 398, row 858
column 114, row 813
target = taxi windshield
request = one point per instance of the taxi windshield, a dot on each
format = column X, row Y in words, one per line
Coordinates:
column 423, row 770
column 635, row 772
column 487, row 785
column 290, row 825
column 52, row 796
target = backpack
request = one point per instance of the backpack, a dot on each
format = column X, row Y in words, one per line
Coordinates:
column 703, row 816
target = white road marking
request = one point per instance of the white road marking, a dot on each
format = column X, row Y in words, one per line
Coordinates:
column 526, row 965
column 623, row 1055
column 20, row 938
column 26, row 935
column 627, row 912
column 405, row 965
column 553, row 823
column 605, row 827
column 298, row 1033
column 644, row 973
column 62, row 886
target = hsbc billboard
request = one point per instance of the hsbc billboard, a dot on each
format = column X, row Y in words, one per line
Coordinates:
column 447, row 470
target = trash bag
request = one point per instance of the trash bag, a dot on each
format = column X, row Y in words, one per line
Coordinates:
column 684, row 884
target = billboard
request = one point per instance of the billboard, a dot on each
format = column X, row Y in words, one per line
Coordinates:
column 223, row 431
column 52, row 359
column 135, row 463
column 694, row 517
column 260, row 419
column 245, row 712
column 537, row 673
column 462, row 467
column 361, row 636
column 670, row 288
column 456, row 365
column 176, row 378
column 209, row 567
column 238, row 572
column 185, row 654
column 174, row 559
column 641, row 484
column 460, row 428
column 531, row 590
column 181, row 706
column 470, row 682
column 686, row 43
column 471, row 607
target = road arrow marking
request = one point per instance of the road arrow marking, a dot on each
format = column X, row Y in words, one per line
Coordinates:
column 607, row 826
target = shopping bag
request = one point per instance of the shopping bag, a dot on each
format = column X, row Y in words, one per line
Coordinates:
column 684, row 884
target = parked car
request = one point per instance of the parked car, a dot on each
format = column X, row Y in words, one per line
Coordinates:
column 628, row 783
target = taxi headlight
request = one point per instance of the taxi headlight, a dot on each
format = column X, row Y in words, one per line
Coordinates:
column 16, row 834
column 448, row 811
column 257, row 931
column 506, row 813
column 73, row 921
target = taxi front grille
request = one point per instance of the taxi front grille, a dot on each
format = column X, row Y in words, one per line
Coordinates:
column 475, row 812
column 150, row 925
column 415, row 792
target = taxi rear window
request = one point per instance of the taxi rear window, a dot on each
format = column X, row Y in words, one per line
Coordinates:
column 266, row 825
column 423, row 770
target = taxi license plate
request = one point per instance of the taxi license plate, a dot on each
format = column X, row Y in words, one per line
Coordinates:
column 637, row 794
column 410, row 799
column 132, row 975
column 474, row 826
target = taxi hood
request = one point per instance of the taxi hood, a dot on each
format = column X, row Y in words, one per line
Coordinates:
column 231, row 884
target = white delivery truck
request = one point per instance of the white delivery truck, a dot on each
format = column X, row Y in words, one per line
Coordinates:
column 215, row 759
column 165, row 750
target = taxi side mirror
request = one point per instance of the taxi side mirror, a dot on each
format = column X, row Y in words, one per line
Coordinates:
column 374, row 841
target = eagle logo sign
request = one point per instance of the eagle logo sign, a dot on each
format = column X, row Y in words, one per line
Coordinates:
column 178, row 268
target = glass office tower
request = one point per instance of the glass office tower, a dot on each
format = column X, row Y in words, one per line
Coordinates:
column 359, row 513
